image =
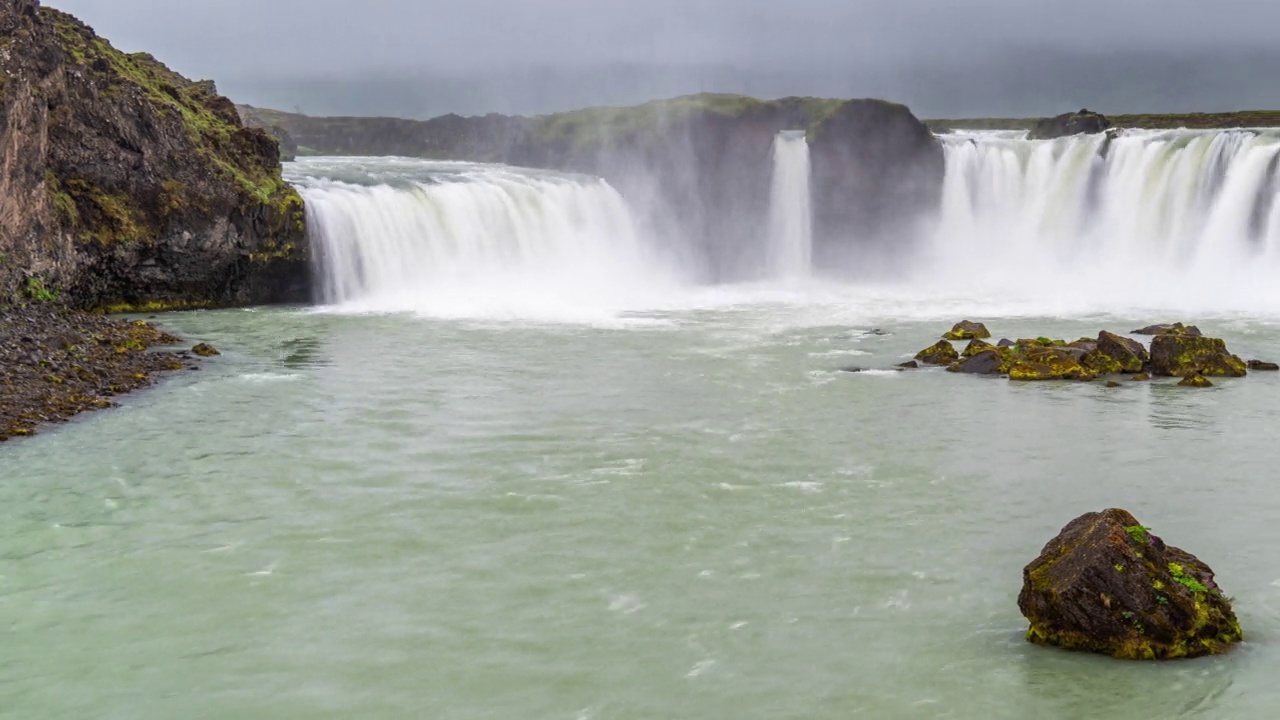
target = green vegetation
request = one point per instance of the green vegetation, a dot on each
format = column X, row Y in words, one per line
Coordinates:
column 37, row 291
column 1192, row 584
column 1140, row 534
column 210, row 122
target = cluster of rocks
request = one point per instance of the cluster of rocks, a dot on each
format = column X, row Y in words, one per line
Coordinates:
column 1176, row 350
column 56, row 363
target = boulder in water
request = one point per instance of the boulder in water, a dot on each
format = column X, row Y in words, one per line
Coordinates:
column 968, row 330
column 1182, row 355
column 1068, row 124
column 976, row 346
column 987, row 362
column 1195, row 381
column 205, row 350
column 1106, row 585
column 1130, row 355
column 910, row 365
column 1169, row 329
column 1263, row 366
column 1141, row 377
column 941, row 353
column 1048, row 363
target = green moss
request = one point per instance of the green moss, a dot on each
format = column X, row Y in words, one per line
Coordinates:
column 153, row 306
column 1140, row 534
column 1192, row 584
column 37, row 291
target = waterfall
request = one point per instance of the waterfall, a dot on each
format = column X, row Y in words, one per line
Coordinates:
column 790, row 211
column 1176, row 217
column 392, row 234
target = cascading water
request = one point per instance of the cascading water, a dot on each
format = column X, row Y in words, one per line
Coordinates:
column 1153, row 219
column 393, row 234
column 790, row 212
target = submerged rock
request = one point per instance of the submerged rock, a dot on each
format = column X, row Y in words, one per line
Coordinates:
column 1170, row 329
column 1182, row 355
column 941, row 353
column 910, row 365
column 1141, row 377
column 1195, row 381
column 968, row 330
column 1113, row 384
column 1263, row 366
column 205, row 350
column 987, row 362
column 1106, row 585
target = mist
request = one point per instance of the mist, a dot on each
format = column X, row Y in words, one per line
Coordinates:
column 994, row 57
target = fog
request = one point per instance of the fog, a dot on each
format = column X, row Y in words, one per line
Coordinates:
column 989, row 57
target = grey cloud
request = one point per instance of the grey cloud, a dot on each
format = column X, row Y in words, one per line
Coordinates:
column 409, row 56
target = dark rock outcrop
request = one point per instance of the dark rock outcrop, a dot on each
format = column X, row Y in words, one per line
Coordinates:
column 698, row 167
column 1183, row 355
column 1263, row 366
column 124, row 185
column 976, row 346
column 1106, row 585
column 1069, row 124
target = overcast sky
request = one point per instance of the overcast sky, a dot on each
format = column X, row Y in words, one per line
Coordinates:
column 273, row 49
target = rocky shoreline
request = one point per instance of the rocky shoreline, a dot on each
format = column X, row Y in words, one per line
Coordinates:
column 56, row 363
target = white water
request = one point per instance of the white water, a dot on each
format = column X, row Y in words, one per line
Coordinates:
column 457, row 239
column 1180, row 219
column 790, row 209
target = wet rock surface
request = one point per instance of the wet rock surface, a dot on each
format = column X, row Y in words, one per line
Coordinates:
column 1107, row 585
column 55, row 364
column 1183, row 355
column 968, row 330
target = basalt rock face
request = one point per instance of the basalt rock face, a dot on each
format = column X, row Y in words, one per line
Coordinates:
column 1107, row 585
column 1068, row 124
column 877, row 174
column 698, row 168
column 124, row 185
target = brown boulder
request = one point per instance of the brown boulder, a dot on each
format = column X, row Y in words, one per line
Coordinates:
column 1170, row 329
column 1263, row 366
column 1106, row 585
column 1131, row 355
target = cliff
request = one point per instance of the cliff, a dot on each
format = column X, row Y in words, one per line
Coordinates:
column 124, row 185
column 698, row 167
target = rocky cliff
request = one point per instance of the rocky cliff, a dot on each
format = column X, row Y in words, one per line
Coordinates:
column 124, row 185
column 698, row 167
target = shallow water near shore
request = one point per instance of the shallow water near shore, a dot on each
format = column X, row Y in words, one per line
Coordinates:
column 685, row 512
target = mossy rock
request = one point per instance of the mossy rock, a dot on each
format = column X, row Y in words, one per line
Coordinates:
column 1195, row 381
column 941, row 353
column 1035, row 363
column 1183, row 355
column 1263, row 366
column 976, row 346
column 1106, row 585
column 1130, row 355
column 968, row 330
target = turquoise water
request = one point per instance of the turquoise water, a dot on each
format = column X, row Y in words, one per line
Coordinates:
column 682, row 514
